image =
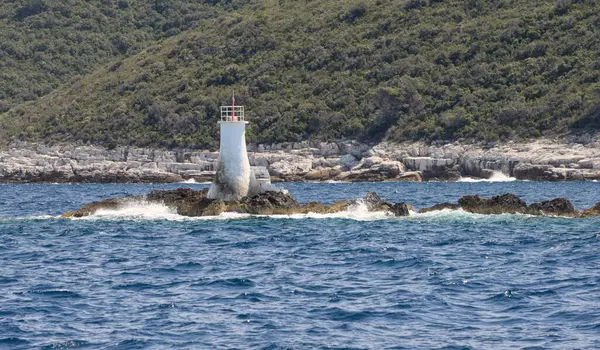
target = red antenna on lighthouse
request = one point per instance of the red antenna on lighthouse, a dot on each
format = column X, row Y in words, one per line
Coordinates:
column 233, row 106
column 232, row 113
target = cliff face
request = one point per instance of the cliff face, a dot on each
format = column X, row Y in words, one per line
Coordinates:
column 306, row 161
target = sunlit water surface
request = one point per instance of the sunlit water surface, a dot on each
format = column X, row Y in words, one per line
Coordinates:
column 145, row 277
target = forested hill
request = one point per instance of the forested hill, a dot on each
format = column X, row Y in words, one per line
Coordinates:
column 153, row 73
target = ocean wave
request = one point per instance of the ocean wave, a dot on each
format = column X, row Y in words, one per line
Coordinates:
column 356, row 212
column 145, row 211
column 193, row 181
column 498, row 176
column 27, row 218
column 154, row 211
column 465, row 216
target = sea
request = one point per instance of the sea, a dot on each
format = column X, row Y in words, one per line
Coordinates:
column 144, row 277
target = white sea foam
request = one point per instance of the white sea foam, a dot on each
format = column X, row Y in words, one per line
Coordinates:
column 358, row 212
column 450, row 215
column 193, row 181
column 153, row 211
column 137, row 210
column 498, row 176
column 37, row 217
column 143, row 211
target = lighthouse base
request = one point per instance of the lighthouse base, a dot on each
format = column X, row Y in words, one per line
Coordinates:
column 228, row 188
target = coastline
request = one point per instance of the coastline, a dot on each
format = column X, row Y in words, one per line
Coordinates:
column 344, row 161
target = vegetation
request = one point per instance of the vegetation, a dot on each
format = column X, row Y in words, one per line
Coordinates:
column 154, row 75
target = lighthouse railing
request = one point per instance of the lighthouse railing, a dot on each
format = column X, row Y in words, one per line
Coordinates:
column 232, row 114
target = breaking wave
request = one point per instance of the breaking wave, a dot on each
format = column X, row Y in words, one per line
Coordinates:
column 154, row 211
column 359, row 212
column 145, row 211
column 193, row 181
column 460, row 215
column 137, row 210
column 498, row 176
column 356, row 212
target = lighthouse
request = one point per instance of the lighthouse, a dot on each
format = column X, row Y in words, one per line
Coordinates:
column 234, row 177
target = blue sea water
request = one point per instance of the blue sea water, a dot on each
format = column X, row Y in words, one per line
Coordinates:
column 144, row 277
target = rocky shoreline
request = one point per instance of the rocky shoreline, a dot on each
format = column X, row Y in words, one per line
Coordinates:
column 351, row 161
column 194, row 203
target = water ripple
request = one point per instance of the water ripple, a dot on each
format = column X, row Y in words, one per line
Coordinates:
column 448, row 280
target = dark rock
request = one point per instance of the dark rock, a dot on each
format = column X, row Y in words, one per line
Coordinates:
column 190, row 202
column 180, row 194
column 371, row 199
column 400, row 209
column 593, row 211
column 506, row 203
column 316, row 207
column 187, row 201
column 526, row 171
column 374, row 203
column 271, row 199
column 511, row 204
column 440, row 206
column 92, row 208
column 557, row 206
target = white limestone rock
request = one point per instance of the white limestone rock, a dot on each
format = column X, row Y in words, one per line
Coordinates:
column 348, row 161
column 427, row 163
column 287, row 168
column 328, row 149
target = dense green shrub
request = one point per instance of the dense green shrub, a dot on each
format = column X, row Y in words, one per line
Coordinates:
column 154, row 73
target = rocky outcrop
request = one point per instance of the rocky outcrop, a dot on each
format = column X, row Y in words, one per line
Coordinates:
column 557, row 206
column 106, row 204
column 374, row 203
column 593, row 211
column 506, row 203
column 190, row 202
column 511, row 204
column 539, row 160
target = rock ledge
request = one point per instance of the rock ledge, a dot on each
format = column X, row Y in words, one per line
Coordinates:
column 189, row 202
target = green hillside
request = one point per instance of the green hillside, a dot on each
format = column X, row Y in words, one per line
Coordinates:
column 369, row 69
column 44, row 43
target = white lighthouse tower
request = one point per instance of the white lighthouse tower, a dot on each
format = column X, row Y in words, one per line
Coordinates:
column 234, row 178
